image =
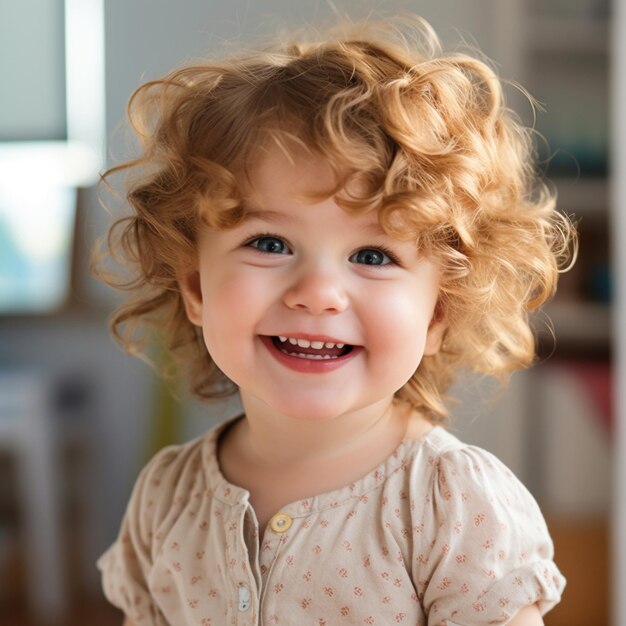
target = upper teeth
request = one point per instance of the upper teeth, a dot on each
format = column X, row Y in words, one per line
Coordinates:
column 305, row 343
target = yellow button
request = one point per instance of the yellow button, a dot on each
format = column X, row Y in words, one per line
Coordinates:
column 281, row 522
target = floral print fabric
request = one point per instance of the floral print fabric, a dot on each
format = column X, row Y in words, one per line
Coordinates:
column 440, row 534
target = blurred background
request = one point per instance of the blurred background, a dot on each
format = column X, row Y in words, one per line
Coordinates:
column 78, row 418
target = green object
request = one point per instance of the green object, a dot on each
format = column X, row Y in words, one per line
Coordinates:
column 167, row 412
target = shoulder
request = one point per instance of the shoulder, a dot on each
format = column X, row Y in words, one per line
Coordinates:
column 473, row 483
column 171, row 466
column 173, row 475
column 175, row 461
column 485, row 545
column 166, row 493
column 453, row 462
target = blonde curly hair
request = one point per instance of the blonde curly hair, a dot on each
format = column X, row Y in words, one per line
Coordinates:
column 443, row 160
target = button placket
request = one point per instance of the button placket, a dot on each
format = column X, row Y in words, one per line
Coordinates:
column 244, row 599
column 274, row 542
column 238, row 555
column 251, row 540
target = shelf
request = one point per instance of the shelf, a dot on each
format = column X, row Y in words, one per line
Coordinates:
column 568, row 35
column 577, row 325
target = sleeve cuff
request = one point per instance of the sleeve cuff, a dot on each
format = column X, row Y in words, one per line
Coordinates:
column 538, row 583
column 124, row 593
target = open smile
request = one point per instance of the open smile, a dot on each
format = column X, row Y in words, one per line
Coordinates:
column 315, row 349
column 315, row 355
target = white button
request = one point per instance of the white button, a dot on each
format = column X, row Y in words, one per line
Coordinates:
column 244, row 598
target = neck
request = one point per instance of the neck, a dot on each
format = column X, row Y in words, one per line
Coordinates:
column 275, row 441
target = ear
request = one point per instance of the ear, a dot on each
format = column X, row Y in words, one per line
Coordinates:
column 436, row 331
column 191, row 291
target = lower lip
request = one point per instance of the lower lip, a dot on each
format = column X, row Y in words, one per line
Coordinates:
column 309, row 366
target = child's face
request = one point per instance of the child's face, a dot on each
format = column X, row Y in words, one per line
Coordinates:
column 315, row 273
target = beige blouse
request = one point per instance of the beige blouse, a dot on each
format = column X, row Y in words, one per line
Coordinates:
column 441, row 533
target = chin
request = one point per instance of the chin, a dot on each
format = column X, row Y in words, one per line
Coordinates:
column 312, row 412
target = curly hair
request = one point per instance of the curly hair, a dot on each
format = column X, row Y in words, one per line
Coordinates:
column 444, row 162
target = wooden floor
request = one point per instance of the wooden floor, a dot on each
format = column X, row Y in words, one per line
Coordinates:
column 86, row 607
column 94, row 613
column 582, row 553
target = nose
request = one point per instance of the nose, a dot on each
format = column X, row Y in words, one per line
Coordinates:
column 316, row 290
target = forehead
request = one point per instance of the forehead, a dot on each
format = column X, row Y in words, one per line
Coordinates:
column 276, row 173
column 279, row 180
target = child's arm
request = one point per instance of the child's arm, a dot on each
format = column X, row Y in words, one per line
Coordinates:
column 127, row 622
column 528, row 616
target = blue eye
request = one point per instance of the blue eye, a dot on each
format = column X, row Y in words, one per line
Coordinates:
column 370, row 256
column 269, row 245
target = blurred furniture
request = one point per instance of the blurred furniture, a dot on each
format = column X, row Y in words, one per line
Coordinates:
column 570, row 55
column 560, row 51
column 27, row 432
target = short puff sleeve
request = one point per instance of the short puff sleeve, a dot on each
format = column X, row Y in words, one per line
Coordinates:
column 126, row 565
column 491, row 553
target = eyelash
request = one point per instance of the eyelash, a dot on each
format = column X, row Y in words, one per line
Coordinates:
column 387, row 251
column 392, row 257
column 250, row 240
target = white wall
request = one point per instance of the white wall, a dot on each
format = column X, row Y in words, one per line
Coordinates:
column 147, row 38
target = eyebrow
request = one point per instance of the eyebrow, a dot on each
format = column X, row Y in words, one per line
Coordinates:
column 374, row 228
column 267, row 215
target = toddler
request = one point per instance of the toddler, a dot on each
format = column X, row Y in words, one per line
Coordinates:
column 334, row 229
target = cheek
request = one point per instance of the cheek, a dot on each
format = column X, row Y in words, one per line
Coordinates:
column 233, row 304
column 398, row 325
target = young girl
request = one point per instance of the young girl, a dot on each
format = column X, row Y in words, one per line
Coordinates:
column 335, row 229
